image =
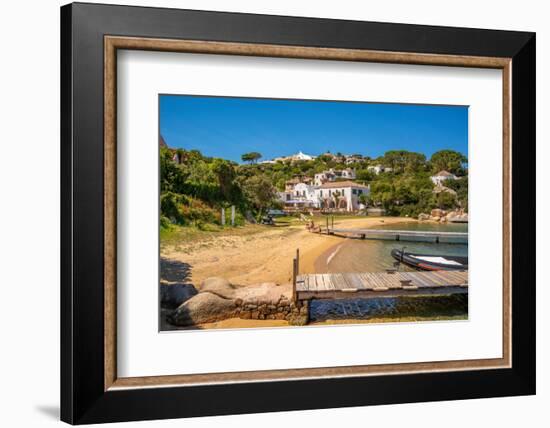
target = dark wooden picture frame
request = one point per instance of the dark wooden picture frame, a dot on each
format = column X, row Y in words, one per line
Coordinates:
column 90, row 37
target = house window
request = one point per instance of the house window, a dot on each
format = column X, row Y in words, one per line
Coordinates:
column 288, row 196
column 354, row 191
column 330, row 192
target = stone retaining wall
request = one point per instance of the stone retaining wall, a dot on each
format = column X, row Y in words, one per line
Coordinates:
column 295, row 313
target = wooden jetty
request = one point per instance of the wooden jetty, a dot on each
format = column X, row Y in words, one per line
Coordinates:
column 389, row 234
column 409, row 235
column 370, row 285
column 379, row 284
column 389, row 283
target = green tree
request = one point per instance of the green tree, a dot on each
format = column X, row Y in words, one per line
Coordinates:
column 181, row 155
column 446, row 200
column 404, row 161
column 226, row 175
column 448, row 160
column 365, row 175
column 251, row 157
column 259, row 192
column 336, row 195
column 172, row 176
column 460, row 186
column 170, row 207
column 365, row 199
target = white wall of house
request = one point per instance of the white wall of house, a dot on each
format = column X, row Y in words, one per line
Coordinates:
column 350, row 194
column 331, row 175
column 302, row 190
column 377, row 169
column 439, row 179
column 301, row 195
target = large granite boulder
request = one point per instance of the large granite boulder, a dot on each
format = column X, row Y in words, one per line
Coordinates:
column 268, row 293
column 173, row 295
column 203, row 308
column 457, row 216
column 438, row 213
column 423, row 216
column 219, row 286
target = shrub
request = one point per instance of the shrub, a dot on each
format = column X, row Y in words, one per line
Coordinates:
column 446, row 200
column 197, row 212
column 170, row 207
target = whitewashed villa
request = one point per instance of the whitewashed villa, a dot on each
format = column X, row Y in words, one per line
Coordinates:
column 342, row 195
column 441, row 176
column 332, row 175
column 377, row 169
column 338, row 195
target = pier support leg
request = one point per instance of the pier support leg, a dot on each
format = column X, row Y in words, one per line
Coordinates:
column 300, row 313
column 437, row 239
column 397, row 237
column 294, row 278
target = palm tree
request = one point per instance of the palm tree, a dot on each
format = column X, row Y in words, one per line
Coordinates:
column 336, row 196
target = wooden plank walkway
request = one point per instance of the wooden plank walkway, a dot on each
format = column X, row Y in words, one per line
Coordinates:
column 399, row 234
column 379, row 284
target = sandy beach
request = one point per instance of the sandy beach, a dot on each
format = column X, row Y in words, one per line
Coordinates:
column 263, row 256
column 258, row 254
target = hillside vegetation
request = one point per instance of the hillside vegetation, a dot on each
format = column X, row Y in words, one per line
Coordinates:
column 194, row 187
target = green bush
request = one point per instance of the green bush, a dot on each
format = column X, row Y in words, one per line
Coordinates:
column 170, row 207
column 198, row 212
column 165, row 222
column 446, row 200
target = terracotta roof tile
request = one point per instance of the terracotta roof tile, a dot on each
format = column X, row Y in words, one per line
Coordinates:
column 347, row 183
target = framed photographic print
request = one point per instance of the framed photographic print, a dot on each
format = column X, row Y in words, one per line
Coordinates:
column 273, row 213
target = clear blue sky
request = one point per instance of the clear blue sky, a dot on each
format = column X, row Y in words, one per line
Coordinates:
column 228, row 127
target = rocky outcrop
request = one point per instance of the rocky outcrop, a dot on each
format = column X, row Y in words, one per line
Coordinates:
column 218, row 286
column 218, row 299
column 203, row 308
column 173, row 295
column 440, row 188
column 442, row 216
column 438, row 213
column 457, row 216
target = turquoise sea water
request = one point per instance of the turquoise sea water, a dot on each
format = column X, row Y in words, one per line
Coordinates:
column 355, row 255
column 370, row 255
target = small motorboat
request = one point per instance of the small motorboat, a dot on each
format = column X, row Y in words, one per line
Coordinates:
column 430, row 261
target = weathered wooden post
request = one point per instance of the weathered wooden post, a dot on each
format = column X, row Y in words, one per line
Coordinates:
column 223, row 216
column 332, row 219
column 294, row 275
column 297, row 261
column 328, row 230
column 232, row 215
